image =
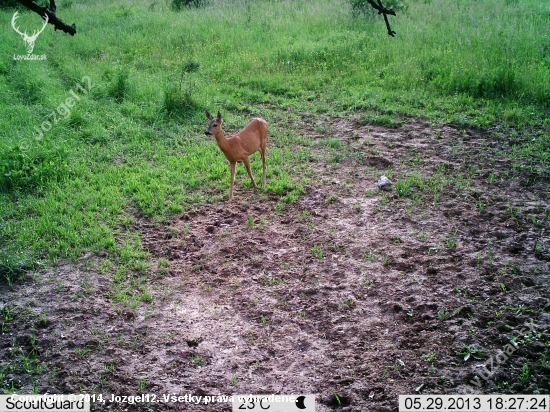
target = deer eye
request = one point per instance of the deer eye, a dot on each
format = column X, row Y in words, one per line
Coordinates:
column 214, row 125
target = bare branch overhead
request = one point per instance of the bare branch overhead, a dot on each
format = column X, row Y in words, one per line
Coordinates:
column 51, row 13
column 382, row 10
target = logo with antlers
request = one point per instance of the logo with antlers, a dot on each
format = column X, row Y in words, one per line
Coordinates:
column 29, row 40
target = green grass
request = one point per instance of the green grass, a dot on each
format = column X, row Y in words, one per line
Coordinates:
column 143, row 73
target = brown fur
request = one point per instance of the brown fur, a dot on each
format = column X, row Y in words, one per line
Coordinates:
column 251, row 139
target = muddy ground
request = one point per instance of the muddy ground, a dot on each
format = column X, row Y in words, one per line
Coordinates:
column 351, row 293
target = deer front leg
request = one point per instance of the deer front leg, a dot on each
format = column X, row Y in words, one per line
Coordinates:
column 232, row 165
column 247, row 164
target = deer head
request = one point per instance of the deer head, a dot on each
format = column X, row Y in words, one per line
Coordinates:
column 215, row 124
column 29, row 40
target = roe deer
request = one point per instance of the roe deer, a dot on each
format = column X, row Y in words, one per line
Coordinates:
column 251, row 139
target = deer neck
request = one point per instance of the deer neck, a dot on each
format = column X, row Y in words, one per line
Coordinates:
column 221, row 139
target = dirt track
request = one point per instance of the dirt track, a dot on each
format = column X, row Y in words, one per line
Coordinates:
column 351, row 293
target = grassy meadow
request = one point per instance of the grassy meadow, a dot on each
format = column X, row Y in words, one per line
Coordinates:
column 139, row 75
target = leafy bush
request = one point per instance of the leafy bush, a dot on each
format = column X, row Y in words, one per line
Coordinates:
column 180, row 4
column 191, row 66
column 8, row 4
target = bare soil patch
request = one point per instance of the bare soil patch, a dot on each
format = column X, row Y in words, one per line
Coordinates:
column 351, row 293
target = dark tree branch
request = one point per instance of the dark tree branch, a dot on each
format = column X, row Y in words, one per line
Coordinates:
column 382, row 10
column 52, row 18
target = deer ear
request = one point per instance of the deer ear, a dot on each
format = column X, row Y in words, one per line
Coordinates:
column 219, row 117
column 208, row 115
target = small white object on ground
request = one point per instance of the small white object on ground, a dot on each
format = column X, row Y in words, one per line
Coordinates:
column 384, row 182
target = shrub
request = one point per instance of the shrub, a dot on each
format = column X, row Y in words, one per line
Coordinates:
column 180, row 4
column 8, row 4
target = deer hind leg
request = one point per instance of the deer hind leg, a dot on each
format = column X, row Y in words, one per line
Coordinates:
column 263, row 161
column 246, row 162
column 232, row 165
